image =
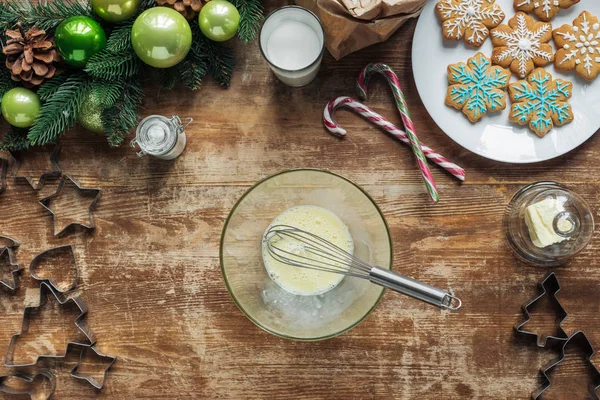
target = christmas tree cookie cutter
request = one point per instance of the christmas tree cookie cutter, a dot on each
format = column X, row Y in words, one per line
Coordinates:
column 548, row 286
column 584, row 343
column 33, row 267
column 90, row 379
column 7, row 259
column 39, row 387
column 80, row 322
column 17, row 157
column 45, row 202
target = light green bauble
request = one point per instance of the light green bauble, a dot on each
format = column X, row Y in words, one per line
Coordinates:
column 79, row 38
column 219, row 20
column 90, row 113
column 161, row 37
column 115, row 10
column 20, row 107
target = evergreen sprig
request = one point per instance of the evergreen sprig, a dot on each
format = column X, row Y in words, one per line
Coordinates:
column 120, row 119
column 14, row 140
column 46, row 15
column 109, row 66
column 50, row 87
column 251, row 15
column 221, row 61
column 6, row 82
column 108, row 93
column 60, row 110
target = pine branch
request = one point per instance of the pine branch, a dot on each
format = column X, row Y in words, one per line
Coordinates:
column 251, row 15
column 110, row 66
column 46, row 15
column 195, row 66
column 59, row 112
column 220, row 60
column 6, row 82
column 167, row 78
column 120, row 37
column 120, row 119
column 50, row 87
column 14, row 140
column 107, row 92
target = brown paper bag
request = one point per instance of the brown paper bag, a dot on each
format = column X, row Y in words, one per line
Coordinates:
column 351, row 25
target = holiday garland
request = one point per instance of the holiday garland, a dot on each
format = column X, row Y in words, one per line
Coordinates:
column 111, row 80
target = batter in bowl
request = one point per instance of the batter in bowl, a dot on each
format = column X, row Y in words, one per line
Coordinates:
column 318, row 221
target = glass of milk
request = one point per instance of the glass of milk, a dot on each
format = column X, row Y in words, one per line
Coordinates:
column 292, row 40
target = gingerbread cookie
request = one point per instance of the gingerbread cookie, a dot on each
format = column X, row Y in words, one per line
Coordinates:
column 469, row 19
column 545, row 10
column 522, row 44
column 579, row 46
column 477, row 87
column 541, row 102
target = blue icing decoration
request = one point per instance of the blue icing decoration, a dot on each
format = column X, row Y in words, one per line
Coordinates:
column 479, row 87
column 538, row 103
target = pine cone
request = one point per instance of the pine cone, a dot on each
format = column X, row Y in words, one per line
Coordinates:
column 188, row 8
column 30, row 56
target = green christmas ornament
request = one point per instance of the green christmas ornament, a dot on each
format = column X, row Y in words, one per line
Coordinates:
column 161, row 37
column 115, row 10
column 90, row 113
column 79, row 38
column 219, row 20
column 20, row 107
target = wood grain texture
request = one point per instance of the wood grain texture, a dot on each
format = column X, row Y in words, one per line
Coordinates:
column 150, row 272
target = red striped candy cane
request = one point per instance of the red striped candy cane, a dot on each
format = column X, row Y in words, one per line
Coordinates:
column 393, row 130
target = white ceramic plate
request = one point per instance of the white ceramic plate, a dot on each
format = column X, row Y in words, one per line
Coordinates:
column 494, row 136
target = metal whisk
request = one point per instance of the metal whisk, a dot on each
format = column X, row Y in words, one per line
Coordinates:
column 331, row 258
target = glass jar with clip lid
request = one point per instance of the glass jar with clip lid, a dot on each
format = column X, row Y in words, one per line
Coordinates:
column 161, row 137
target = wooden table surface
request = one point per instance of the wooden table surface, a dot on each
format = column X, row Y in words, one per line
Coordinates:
column 150, row 271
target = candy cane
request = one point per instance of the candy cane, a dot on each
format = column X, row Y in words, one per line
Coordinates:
column 392, row 78
column 393, row 130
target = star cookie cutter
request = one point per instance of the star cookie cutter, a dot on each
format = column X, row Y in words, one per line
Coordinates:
column 90, row 379
column 548, row 286
column 17, row 156
column 584, row 343
column 33, row 267
column 7, row 257
column 45, row 202
column 3, row 169
column 80, row 322
column 34, row 386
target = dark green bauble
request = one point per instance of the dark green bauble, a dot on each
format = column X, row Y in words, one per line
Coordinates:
column 79, row 38
column 90, row 113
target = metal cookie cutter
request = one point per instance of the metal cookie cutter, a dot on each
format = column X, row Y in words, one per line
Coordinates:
column 37, row 259
column 84, row 351
column 548, row 286
column 39, row 387
column 17, row 156
column 45, row 202
column 80, row 322
column 3, row 168
column 7, row 259
column 580, row 339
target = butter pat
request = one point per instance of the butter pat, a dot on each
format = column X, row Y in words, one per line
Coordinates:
column 539, row 218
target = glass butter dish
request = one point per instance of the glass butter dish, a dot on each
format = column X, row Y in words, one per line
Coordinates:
column 547, row 224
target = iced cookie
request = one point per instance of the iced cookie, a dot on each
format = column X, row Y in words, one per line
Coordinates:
column 477, row 87
column 541, row 102
column 469, row 19
column 522, row 45
column 579, row 46
column 545, row 10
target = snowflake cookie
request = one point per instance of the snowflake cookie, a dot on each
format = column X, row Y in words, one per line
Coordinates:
column 579, row 46
column 545, row 10
column 541, row 102
column 522, row 45
column 477, row 87
column 469, row 19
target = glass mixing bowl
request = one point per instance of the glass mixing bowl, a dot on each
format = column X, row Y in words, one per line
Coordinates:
column 262, row 300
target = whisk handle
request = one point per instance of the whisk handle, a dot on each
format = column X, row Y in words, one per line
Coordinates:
column 413, row 288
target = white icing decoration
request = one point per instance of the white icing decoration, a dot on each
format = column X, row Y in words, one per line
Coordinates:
column 522, row 44
column 584, row 45
column 469, row 14
column 546, row 5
